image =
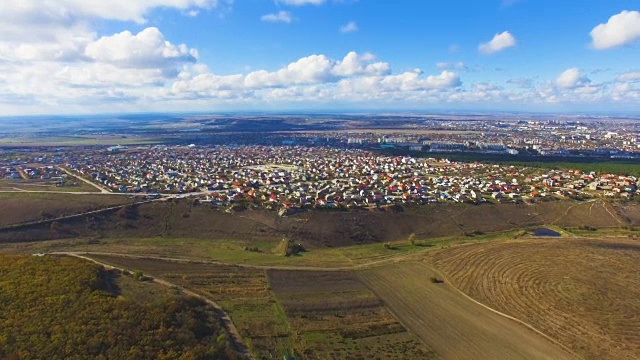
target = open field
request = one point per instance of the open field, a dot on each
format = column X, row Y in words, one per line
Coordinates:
column 337, row 317
column 37, row 141
column 23, row 207
column 583, row 292
column 43, row 185
column 317, row 315
column 390, row 131
column 454, row 326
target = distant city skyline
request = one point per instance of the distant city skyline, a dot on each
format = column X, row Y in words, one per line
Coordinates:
column 122, row 56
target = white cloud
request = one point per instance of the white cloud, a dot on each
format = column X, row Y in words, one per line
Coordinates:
column 314, row 69
column 349, row 27
column 498, row 43
column 281, row 16
column 66, row 10
column 621, row 29
column 572, row 78
column 630, row 76
column 355, row 64
column 446, row 79
column 147, row 49
column 300, row 2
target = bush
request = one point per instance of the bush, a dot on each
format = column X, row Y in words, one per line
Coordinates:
column 435, row 280
column 138, row 275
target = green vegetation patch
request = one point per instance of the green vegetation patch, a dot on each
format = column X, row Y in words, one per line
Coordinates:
column 65, row 308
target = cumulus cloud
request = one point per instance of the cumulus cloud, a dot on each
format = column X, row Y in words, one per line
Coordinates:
column 147, row 49
column 281, row 16
column 498, row 43
column 314, row 69
column 621, row 29
column 572, row 78
column 349, row 27
column 65, row 11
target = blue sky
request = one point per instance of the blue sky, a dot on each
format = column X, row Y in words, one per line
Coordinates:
column 225, row 55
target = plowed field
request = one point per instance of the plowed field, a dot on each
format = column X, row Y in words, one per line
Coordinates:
column 453, row 325
column 583, row 293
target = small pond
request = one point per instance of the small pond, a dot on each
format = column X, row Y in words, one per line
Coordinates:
column 546, row 232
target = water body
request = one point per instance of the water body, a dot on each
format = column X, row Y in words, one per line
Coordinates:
column 546, row 232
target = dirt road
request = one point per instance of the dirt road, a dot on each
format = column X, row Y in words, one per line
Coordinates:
column 453, row 325
column 231, row 329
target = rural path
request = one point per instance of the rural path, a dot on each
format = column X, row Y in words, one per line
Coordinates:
column 231, row 329
column 456, row 326
column 436, row 317
column 102, row 189
column 73, row 216
column 392, row 259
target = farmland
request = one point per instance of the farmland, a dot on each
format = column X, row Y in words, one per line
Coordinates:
column 242, row 292
column 451, row 324
column 583, row 293
column 338, row 317
column 316, row 315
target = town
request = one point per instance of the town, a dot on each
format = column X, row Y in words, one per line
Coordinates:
column 297, row 177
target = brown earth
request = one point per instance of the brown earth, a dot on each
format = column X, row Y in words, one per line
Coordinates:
column 337, row 317
column 18, row 208
column 453, row 325
column 316, row 229
column 584, row 293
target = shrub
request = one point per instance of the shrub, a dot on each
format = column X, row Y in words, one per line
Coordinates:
column 138, row 275
column 412, row 239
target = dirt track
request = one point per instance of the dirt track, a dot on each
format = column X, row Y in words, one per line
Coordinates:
column 454, row 326
column 583, row 292
column 236, row 339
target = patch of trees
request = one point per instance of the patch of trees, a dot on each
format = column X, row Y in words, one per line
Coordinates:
column 288, row 247
column 57, row 308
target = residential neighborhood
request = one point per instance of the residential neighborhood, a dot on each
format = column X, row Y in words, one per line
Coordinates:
column 311, row 177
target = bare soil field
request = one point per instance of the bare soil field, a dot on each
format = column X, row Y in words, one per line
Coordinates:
column 314, row 229
column 451, row 324
column 337, row 317
column 17, row 208
column 583, row 293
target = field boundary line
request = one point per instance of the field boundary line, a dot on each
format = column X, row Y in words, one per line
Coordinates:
column 521, row 322
column 222, row 315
